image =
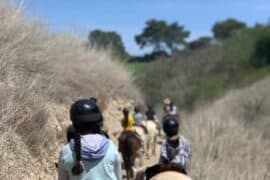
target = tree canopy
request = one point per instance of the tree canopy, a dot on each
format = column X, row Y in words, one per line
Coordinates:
column 200, row 42
column 104, row 40
column 261, row 54
column 162, row 36
column 226, row 29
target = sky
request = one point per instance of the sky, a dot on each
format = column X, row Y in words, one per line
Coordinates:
column 128, row 17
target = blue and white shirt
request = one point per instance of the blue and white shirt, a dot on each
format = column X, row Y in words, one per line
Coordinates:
column 179, row 155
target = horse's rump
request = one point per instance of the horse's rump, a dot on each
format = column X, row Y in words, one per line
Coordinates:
column 151, row 127
column 129, row 143
column 170, row 175
column 151, row 137
column 160, row 168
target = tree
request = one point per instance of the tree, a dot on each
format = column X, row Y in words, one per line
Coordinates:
column 200, row 42
column 226, row 29
column 261, row 56
column 104, row 40
column 162, row 36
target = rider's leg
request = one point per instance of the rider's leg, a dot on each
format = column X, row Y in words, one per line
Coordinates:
column 142, row 149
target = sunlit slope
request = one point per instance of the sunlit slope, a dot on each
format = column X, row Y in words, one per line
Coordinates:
column 40, row 75
column 230, row 138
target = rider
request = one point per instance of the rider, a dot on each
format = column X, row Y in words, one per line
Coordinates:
column 89, row 154
column 151, row 114
column 128, row 121
column 170, row 108
column 138, row 117
column 175, row 150
column 128, row 125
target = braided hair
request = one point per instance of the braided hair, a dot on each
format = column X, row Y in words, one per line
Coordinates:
column 85, row 115
column 77, row 169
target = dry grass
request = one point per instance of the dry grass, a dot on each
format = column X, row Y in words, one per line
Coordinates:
column 40, row 75
column 228, row 145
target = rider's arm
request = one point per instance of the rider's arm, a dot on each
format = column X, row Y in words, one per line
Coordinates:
column 183, row 155
column 163, row 159
column 62, row 172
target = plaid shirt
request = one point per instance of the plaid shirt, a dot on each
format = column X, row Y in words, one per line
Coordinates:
column 179, row 155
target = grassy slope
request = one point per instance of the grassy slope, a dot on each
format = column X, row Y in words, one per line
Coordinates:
column 230, row 138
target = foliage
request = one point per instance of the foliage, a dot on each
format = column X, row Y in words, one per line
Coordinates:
column 205, row 89
column 248, row 49
column 227, row 28
column 201, row 74
column 104, row 40
column 261, row 56
column 162, row 36
column 199, row 43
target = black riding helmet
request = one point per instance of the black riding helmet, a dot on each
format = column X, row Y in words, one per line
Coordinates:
column 170, row 126
column 84, row 112
column 136, row 109
column 125, row 111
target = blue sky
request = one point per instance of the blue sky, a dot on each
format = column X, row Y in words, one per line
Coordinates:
column 127, row 17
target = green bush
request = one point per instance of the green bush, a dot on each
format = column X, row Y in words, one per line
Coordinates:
column 262, row 52
column 205, row 90
column 204, row 73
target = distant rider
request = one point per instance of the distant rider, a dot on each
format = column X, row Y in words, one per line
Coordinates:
column 138, row 117
column 170, row 108
column 128, row 126
column 151, row 114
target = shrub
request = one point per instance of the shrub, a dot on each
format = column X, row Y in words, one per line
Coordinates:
column 261, row 55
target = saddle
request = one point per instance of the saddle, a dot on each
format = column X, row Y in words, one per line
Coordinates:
column 159, row 168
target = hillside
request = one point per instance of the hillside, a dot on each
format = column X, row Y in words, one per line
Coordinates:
column 41, row 75
column 230, row 137
column 193, row 76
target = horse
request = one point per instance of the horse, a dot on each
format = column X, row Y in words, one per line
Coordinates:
column 151, row 138
column 162, row 172
column 170, row 175
column 129, row 147
column 143, row 137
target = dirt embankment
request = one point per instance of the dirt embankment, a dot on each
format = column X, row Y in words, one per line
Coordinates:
column 41, row 74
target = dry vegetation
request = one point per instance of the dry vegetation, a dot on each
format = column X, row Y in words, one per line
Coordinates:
column 230, row 138
column 40, row 75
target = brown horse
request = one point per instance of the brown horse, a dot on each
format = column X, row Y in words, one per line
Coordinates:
column 129, row 144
